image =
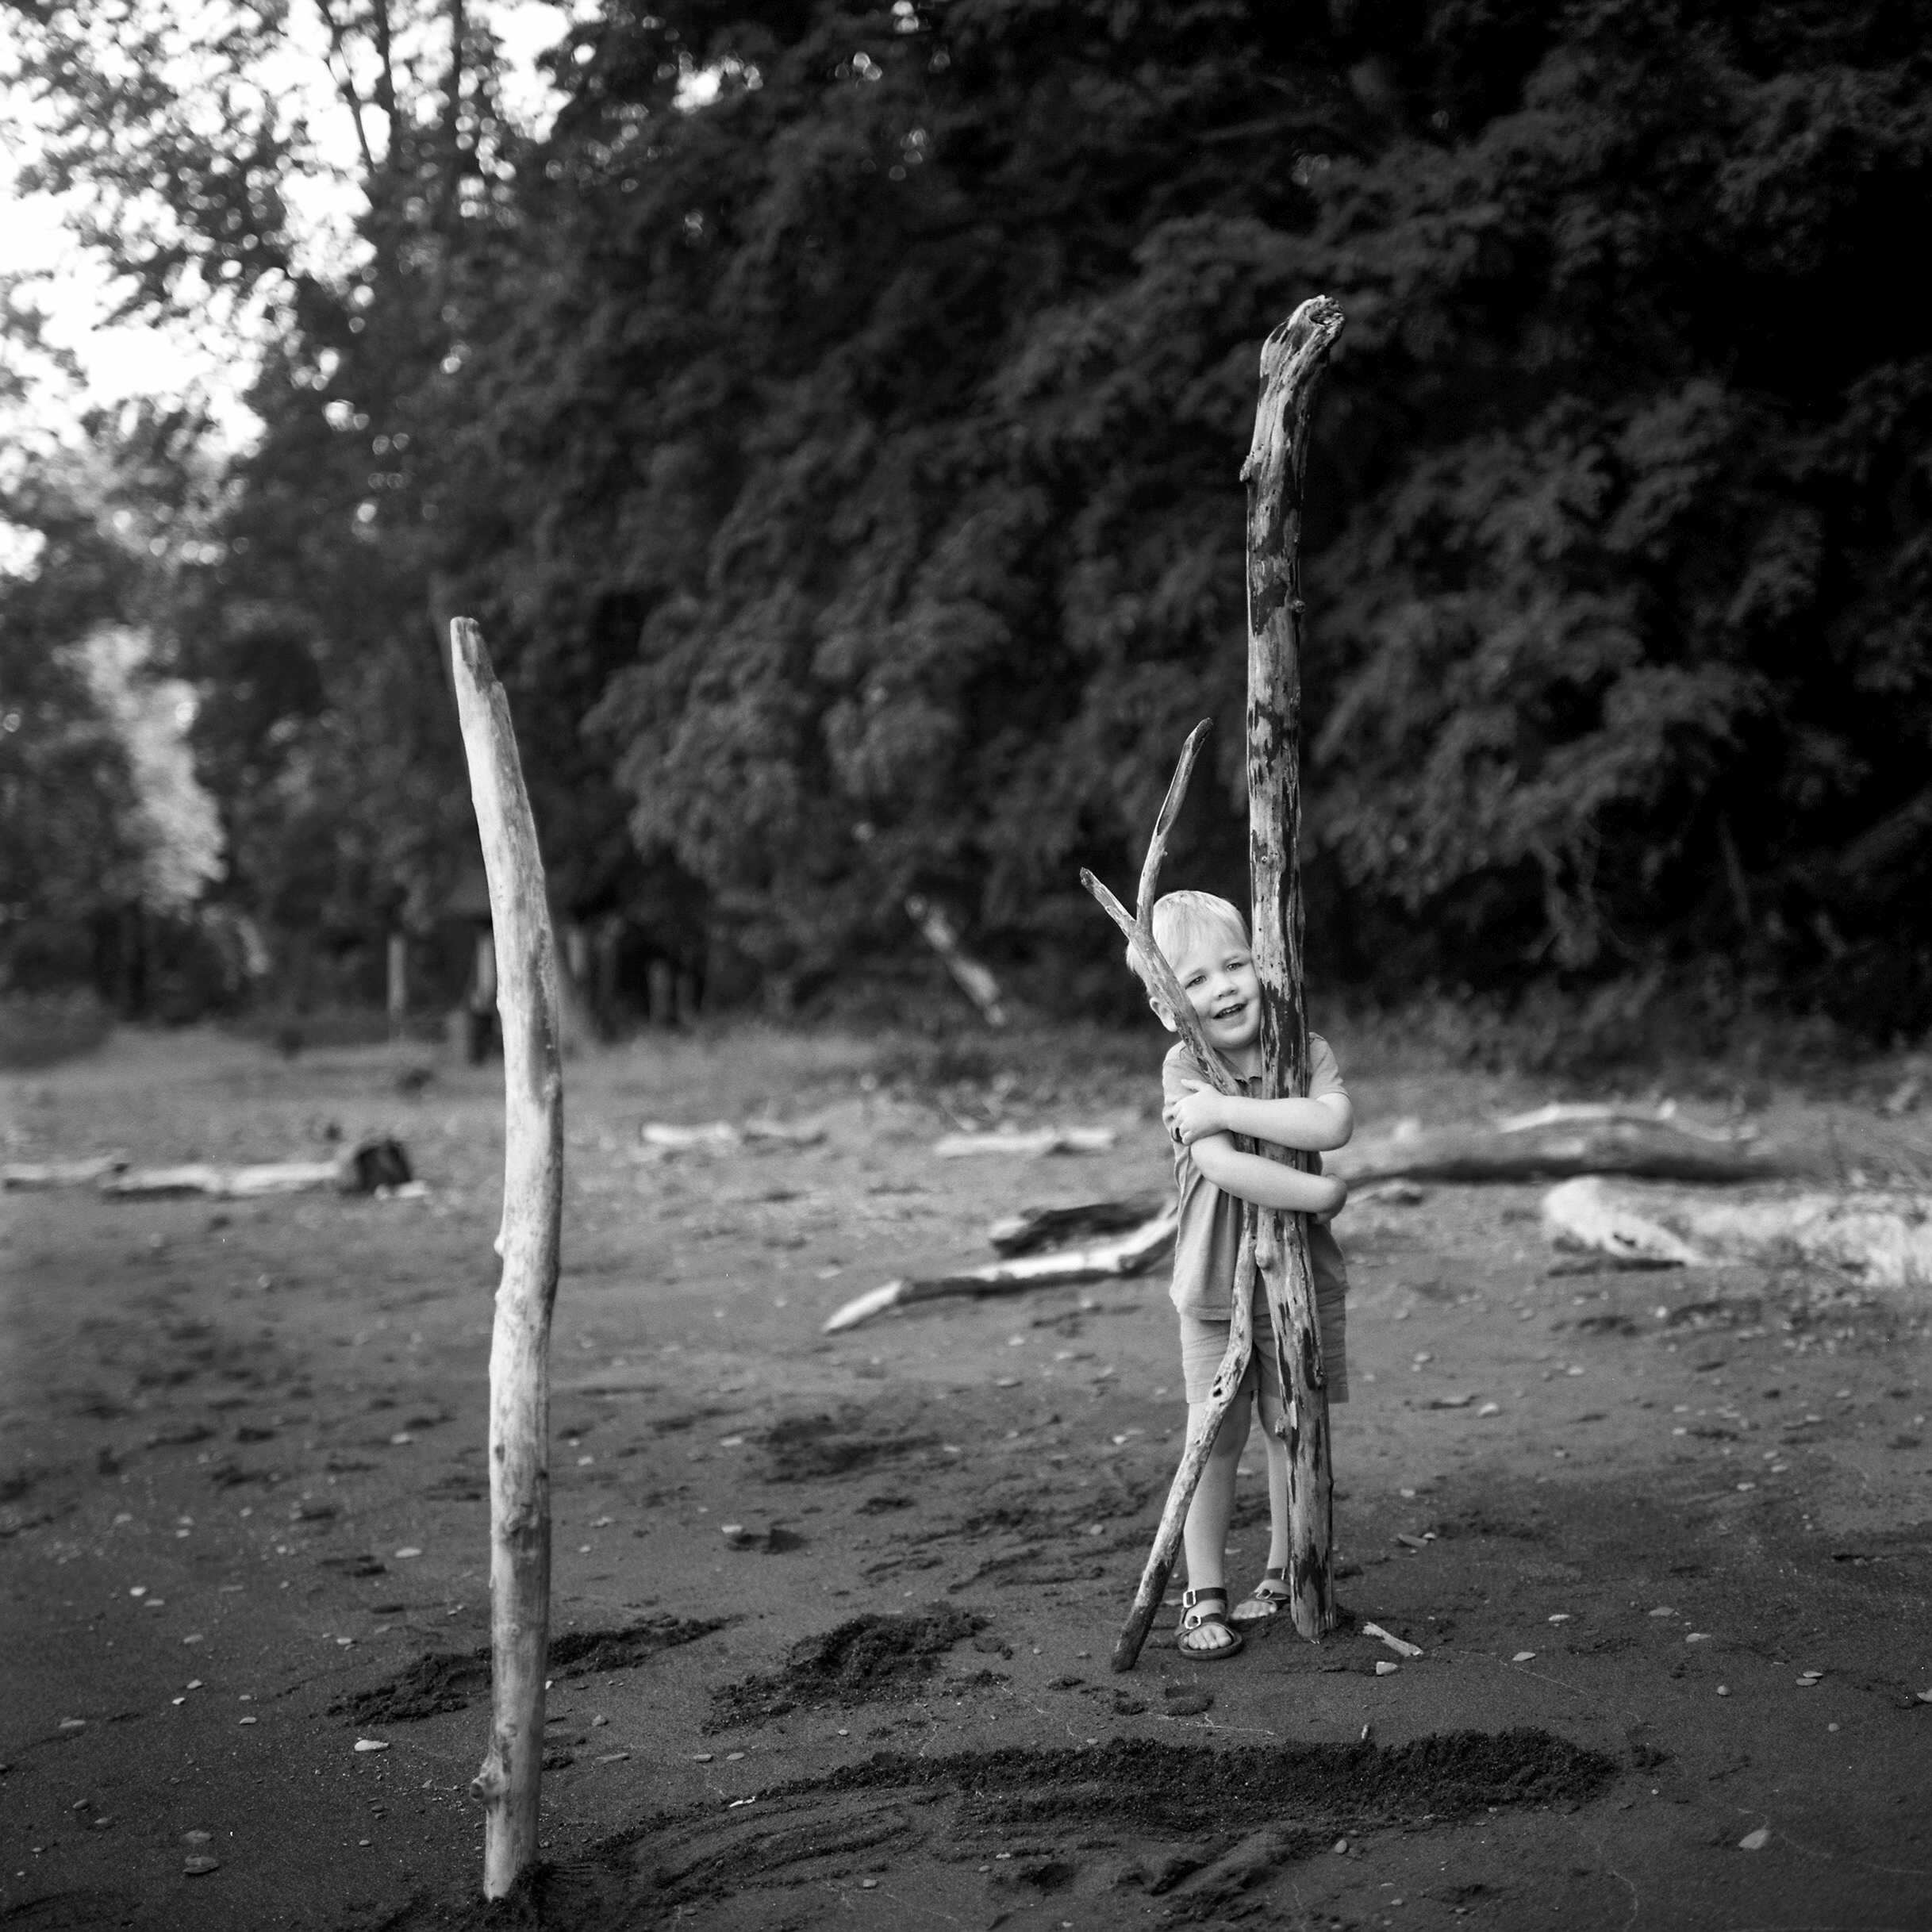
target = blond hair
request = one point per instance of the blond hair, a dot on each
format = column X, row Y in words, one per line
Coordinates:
column 1182, row 917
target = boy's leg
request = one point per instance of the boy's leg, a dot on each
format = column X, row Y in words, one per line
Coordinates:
column 1204, row 1536
column 1268, row 1595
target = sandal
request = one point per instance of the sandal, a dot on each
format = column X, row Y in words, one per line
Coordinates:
column 1266, row 1600
column 1199, row 1609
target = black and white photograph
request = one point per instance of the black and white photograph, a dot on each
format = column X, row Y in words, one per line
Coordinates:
column 966, row 964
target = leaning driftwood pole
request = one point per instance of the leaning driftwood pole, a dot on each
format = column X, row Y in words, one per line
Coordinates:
column 1293, row 361
column 974, row 980
column 1206, row 1424
column 509, row 1783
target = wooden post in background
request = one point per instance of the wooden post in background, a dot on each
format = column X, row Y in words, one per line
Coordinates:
column 398, row 985
column 526, row 990
column 1292, row 364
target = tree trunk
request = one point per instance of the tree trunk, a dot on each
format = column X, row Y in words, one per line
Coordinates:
column 1292, row 364
column 532, row 1213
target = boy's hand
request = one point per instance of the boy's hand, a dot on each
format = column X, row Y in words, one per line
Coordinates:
column 1196, row 1114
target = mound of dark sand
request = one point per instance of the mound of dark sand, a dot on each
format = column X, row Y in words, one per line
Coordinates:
column 872, row 1659
column 1167, row 1789
column 1209, row 1830
column 806, row 1448
column 450, row 1680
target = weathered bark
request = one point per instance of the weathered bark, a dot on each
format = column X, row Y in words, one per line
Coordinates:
column 1292, row 364
column 1549, row 1151
column 509, row 1783
column 1205, row 1424
column 974, row 980
column 1130, row 1253
column 1881, row 1236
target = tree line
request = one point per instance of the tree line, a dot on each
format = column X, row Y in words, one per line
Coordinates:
column 835, row 420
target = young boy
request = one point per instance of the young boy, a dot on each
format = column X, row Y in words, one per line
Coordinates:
column 1205, row 940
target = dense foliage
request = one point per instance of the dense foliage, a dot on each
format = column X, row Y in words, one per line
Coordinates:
column 835, row 421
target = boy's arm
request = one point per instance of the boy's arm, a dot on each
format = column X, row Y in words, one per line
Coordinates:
column 1266, row 1183
column 1315, row 1126
column 1311, row 1127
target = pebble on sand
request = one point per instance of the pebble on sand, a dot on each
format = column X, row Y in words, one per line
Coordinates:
column 371, row 1744
column 1755, row 1841
column 408, row 1551
column 199, row 1864
column 1523, row 1657
column 1384, row 1668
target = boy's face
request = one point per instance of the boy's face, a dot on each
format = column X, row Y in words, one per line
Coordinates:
column 1216, row 972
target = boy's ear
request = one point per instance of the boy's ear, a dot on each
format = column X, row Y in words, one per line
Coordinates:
column 1162, row 1012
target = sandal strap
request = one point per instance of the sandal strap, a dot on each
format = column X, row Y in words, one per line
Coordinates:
column 1212, row 1592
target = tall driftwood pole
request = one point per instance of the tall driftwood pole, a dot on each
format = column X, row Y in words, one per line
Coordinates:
column 1292, row 364
column 527, row 1000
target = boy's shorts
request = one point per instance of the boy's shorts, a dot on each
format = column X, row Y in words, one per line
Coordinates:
column 1202, row 1344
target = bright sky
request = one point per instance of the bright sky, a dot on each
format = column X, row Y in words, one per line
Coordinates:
column 126, row 361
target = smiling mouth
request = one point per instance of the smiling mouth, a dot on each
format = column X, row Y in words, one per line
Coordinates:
column 1232, row 1011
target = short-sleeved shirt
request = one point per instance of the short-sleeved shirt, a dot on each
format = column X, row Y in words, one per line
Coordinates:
column 1207, row 1240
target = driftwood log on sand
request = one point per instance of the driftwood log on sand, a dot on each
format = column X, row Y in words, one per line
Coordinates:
column 1130, row 1253
column 36, row 1174
column 728, row 1137
column 1026, row 1141
column 367, row 1167
column 509, row 1782
column 1882, row 1236
column 1552, row 1143
column 1034, row 1228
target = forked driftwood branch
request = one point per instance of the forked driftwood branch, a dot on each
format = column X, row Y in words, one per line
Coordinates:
column 1205, row 1423
column 527, row 998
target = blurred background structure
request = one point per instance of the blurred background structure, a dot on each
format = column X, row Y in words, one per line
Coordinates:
column 833, row 414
